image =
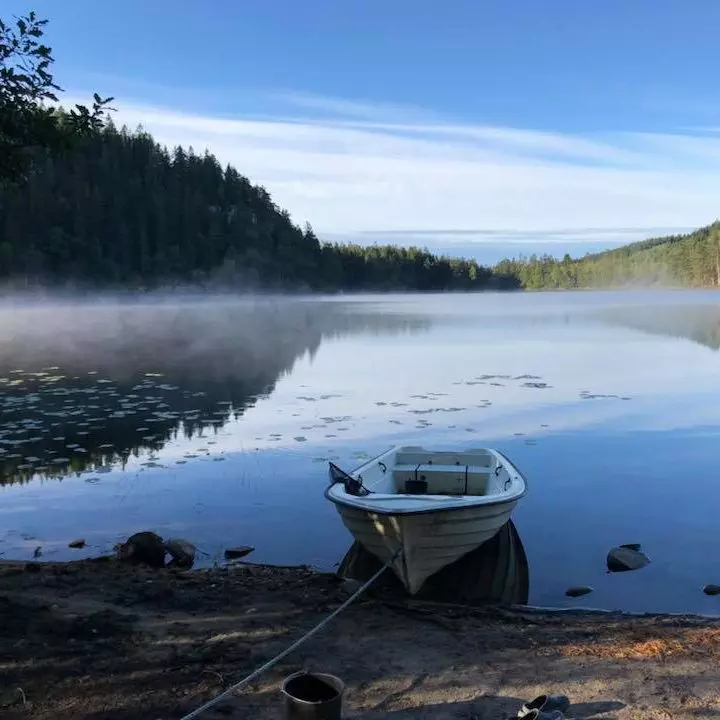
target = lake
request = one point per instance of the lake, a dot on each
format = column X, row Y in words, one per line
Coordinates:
column 213, row 419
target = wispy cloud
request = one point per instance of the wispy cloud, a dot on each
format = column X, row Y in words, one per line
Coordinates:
column 558, row 236
column 358, row 168
column 358, row 109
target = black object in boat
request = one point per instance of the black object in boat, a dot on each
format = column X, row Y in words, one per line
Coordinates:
column 353, row 486
column 416, row 487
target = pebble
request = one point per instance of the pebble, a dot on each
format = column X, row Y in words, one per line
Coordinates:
column 238, row 552
column 578, row 591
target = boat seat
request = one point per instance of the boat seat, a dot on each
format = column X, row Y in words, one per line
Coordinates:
column 443, row 479
column 478, row 480
column 450, row 479
column 417, row 457
column 406, row 467
column 401, row 474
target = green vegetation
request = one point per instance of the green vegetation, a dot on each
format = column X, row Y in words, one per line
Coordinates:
column 26, row 84
column 82, row 202
column 119, row 210
column 86, row 204
column 691, row 260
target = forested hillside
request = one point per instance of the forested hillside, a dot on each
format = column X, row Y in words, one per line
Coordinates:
column 691, row 260
column 117, row 209
column 85, row 204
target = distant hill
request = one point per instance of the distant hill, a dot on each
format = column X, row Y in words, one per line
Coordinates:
column 691, row 260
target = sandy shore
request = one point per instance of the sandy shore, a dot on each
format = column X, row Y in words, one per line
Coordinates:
column 99, row 640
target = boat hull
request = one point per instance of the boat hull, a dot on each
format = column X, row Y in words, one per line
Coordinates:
column 429, row 541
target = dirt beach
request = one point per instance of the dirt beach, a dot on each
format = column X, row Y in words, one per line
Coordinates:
column 100, row 640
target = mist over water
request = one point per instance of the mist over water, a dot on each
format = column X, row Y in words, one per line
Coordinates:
column 89, row 375
column 213, row 419
column 226, row 335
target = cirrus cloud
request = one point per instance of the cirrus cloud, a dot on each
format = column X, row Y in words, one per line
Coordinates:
column 355, row 169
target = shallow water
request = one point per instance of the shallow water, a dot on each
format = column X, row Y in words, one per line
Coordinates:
column 213, row 420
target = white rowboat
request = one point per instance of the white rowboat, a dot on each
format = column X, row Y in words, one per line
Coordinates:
column 434, row 505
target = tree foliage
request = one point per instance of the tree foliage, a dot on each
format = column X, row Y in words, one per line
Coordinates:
column 107, row 207
column 26, row 87
column 691, row 260
column 120, row 210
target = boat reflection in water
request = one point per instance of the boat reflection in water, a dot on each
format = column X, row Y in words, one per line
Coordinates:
column 495, row 572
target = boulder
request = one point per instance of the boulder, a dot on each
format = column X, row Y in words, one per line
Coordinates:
column 181, row 551
column 712, row 589
column 238, row 552
column 623, row 558
column 143, row 547
column 77, row 544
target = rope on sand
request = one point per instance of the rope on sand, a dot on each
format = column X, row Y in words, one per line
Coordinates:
column 270, row 663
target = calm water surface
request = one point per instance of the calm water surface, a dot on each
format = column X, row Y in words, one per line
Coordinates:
column 214, row 420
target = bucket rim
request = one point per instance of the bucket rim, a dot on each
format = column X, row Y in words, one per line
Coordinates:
column 335, row 681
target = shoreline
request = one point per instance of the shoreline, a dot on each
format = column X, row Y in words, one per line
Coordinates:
column 127, row 294
column 99, row 639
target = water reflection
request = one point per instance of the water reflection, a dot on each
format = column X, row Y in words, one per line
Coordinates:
column 497, row 572
column 699, row 323
column 85, row 387
column 544, row 377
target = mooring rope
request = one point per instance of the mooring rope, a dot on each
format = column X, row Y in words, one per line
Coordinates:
column 295, row 645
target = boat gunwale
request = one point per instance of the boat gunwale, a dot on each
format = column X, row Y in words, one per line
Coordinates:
column 498, row 500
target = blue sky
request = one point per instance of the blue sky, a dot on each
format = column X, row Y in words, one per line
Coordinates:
column 485, row 127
